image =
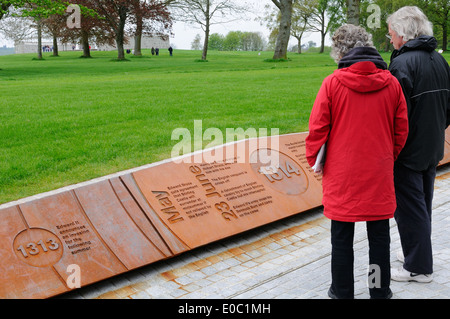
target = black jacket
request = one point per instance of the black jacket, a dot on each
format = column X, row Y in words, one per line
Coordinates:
column 425, row 78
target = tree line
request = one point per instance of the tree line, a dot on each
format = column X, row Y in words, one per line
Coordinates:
column 437, row 11
column 114, row 21
column 103, row 22
column 292, row 18
column 233, row 41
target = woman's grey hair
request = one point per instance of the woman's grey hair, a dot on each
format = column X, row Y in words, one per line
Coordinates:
column 410, row 22
column 348, row 37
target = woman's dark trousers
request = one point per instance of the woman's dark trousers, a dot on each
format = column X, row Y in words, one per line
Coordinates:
column 342, row 259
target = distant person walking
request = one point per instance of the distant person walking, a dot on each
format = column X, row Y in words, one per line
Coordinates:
column 157, row 51
column 153, row 51
column 170, row 51
column 425, row 78
column 360, row 113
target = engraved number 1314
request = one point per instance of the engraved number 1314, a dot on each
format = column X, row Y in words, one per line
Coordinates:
column 274, row 174
column 33, row 248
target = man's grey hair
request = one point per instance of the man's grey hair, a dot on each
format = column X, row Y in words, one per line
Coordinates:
column 410, row 22
column 348, row 37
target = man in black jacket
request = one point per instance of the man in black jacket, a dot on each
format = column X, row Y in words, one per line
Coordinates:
column 425, row 78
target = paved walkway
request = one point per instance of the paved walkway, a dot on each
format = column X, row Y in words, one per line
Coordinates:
column 289, row 259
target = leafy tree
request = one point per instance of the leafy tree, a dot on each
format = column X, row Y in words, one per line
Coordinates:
column 16, row 29
column 197, row 42
column 4, row 6
column 299, row 16
column 327, row 16
column 115, row 13
column 252, row 41
column 54, row 25
column 438, row 12
column 237, row 41
column 216, row 42
column 302, row 11
column 233, row 41
column 149, row 17
column 92, row 28
column 39, row 10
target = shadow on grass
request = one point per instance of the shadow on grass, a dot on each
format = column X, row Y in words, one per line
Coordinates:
column 120, row 60
column 277, row 60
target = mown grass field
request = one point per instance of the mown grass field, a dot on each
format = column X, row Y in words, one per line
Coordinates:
column 65, row 120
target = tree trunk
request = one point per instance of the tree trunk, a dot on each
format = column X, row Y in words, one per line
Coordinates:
column 300, row 36
column 39, row 48
column 137, row 44
column 138, row 36
column 322, row 32
column 120, row 33
column 353, row 12
column 55, row 46
column 207, row 29
column 85, row 43
column 205, row 44
column 205, row 47
column 284, row 33
column 120, row 50
column 445, row 29
column 322, row 42
column 444, row 38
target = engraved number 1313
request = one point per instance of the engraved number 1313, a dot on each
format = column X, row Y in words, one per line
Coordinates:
column 33, row 248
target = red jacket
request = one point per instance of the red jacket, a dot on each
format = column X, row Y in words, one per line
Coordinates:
column 361, row 113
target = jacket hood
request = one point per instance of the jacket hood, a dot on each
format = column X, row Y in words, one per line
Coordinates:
column 364, row 76
column 359, row 54
column 422, row 43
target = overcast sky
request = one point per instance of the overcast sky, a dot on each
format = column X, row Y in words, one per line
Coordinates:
column 184, row 33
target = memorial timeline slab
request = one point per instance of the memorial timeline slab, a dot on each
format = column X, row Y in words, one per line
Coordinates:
column 115, row 224
column 128, row 220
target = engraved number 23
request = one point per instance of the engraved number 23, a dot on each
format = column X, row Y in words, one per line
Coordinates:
column 225, row 210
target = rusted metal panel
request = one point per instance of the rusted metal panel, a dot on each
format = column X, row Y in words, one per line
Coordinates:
column 112, row 225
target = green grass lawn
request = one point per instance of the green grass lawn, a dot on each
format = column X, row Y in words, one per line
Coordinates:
column 66, row 120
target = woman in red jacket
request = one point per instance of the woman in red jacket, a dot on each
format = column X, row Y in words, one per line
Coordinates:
column 360, row 113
